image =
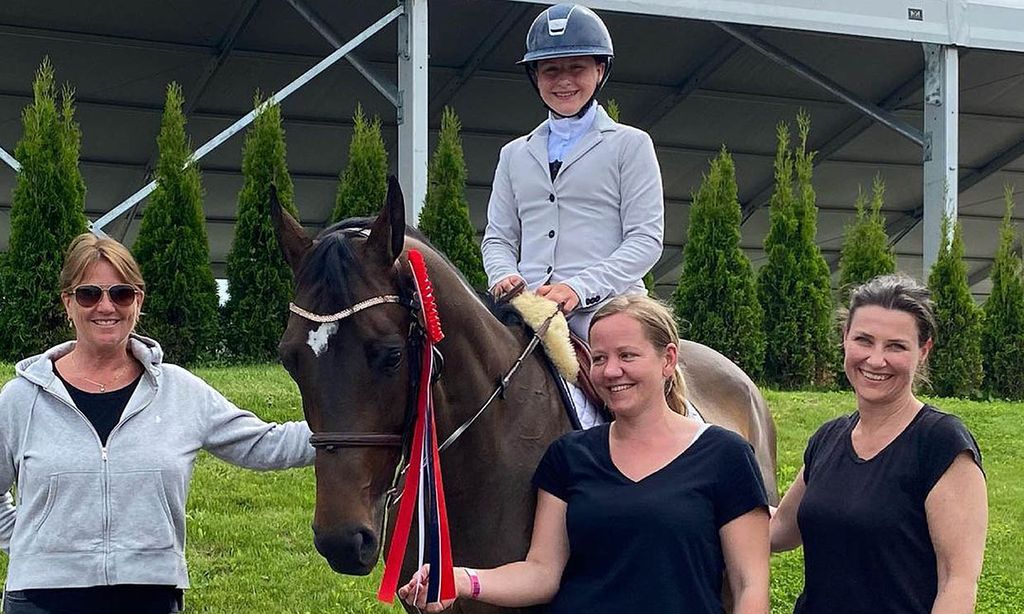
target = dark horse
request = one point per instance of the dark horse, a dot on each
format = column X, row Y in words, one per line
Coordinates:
column 354, row 377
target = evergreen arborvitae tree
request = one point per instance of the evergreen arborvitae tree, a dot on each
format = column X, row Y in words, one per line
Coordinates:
column 794, row 285
column 445, row 215
column 364, row 182
column 259, row 281
column 1002, row 338
column 172, row 249
column 47, row 212
column 866, row 252
column 776, row 279
column 716, row 294
column 817, row 278
column 612, row 109
column 955, row 362
column 650, row 283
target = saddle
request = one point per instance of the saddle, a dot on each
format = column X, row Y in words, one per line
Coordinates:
column 583, row 381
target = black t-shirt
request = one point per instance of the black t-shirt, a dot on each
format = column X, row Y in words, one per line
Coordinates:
column 652, row 545
column 103, row 409
column 867, row 547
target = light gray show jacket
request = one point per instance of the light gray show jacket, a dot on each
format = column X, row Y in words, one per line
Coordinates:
column 598, row 227
column 89, row 515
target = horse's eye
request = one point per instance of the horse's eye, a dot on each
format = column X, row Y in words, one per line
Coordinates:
column 392, row 360
column 385, row 356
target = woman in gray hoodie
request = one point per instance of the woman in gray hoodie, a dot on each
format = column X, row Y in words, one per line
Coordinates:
column 100, row 438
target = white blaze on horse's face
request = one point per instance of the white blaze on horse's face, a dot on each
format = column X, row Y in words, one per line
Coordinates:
column 317, row 340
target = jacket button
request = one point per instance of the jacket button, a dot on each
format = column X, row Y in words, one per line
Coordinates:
column 551, row 197
column 549, row 269
column 551, row 234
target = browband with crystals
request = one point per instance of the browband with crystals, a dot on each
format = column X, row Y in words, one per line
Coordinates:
column 344, row 313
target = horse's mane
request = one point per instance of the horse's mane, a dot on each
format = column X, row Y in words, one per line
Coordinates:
column 324, row 270
column 364, row 223
column 331, row 264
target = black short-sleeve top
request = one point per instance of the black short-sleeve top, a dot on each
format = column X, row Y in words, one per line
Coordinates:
column 863, row 522
column 651, row 545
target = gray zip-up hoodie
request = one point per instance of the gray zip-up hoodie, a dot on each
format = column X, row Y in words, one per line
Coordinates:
column 90, row 515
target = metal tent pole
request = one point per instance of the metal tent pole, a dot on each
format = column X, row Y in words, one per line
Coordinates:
column 413, row 106
column 941, row 114
column 234, row 128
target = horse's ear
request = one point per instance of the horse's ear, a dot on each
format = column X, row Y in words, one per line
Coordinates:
column 291, row 237
column 387, row 235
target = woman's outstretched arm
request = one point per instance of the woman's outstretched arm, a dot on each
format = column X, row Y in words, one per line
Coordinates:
column 520, row 584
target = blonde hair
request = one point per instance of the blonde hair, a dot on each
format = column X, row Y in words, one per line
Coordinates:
column 86, row 249
column 660, row 328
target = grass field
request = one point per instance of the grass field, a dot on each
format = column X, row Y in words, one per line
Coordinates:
column 250, row 547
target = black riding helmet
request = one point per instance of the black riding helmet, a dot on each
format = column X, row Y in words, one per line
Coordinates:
column 567, row 30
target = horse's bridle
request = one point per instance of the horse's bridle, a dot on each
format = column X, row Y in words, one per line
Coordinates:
column 332, row 440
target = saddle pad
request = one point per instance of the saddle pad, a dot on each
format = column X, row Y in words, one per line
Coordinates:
column 535, row 310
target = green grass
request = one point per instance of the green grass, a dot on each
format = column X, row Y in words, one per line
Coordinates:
column 250, row 546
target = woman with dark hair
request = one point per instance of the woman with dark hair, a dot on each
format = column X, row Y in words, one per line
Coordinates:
column 890, row 505
column 643, row 514
column 100, row 436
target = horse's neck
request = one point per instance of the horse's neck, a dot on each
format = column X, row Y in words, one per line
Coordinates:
column 479, row 352
column 481, row 345
column 487, row 470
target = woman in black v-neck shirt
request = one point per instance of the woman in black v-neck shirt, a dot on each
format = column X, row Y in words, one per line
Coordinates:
column 890, row 505
column 643, row 514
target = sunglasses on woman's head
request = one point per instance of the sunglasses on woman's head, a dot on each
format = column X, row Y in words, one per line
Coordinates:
column 87, row 295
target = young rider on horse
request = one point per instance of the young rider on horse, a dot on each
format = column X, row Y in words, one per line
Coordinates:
column 577, row 210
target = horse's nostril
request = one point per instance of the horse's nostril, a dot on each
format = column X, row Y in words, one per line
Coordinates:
column 352, row 551
column 367, row 544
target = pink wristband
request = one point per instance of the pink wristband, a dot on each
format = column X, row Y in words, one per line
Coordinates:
column 474, row 582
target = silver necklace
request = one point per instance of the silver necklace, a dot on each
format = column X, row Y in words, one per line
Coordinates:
column 103, row 387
